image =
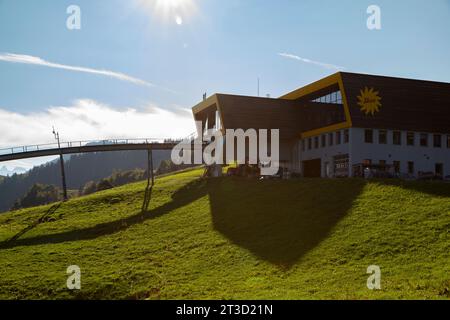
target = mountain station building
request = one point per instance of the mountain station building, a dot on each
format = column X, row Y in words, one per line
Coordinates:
column 347, row 123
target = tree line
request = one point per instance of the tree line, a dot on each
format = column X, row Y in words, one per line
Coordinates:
column 80, row 169
column 41, row 194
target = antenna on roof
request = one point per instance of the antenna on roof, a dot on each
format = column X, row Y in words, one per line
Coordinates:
column 258, row 86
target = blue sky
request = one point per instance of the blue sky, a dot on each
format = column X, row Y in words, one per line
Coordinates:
column 220, row 46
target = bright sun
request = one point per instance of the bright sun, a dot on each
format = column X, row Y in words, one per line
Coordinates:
column 369, row 101
column 170, row 3
column 170, row 10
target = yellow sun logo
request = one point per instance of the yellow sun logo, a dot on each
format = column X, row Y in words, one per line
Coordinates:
column 369, row 101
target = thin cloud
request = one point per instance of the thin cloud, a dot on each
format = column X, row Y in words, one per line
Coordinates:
column 317, row 63
column 91, row 120
column 26, row 59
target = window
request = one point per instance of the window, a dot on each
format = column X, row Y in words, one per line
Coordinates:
column 410, row 167
column 303, row 145
column 448, row 141
column 368, row 136
column 410, row 138
column 323, row 141
column 338, row 137
column 397, row 166
column 437, row 143
column 330, row 139
column 346, row 136
column 423, row 139
column 309, row 144
column 382, row 136
column 338, row 97
column 397, row 138
column 316, row 142
column 333, row 97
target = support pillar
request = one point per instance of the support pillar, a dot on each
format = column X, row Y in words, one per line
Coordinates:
column 63, row 176
column 150, row 175
column 150, row 181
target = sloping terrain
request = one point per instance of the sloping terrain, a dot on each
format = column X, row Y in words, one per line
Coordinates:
column 234, row 238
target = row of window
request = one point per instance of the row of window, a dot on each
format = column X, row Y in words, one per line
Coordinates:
column 334, row 97
column 410, row 165
column 330, row 139
column 410, row 138
column 395, row 164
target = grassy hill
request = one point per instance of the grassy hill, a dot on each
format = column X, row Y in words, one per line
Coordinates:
column 235, row 238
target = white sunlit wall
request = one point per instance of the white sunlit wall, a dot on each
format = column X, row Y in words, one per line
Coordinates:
column 410, row 152
column 328, row 147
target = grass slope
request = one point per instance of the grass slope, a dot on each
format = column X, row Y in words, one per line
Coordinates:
column 235, row 238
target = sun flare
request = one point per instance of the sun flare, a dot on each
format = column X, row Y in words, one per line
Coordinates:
column 170, row 10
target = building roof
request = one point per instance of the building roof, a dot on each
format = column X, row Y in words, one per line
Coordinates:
column 245, row 112
column 368, row 101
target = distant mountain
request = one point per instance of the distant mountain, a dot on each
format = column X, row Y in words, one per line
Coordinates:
column 80, row 169
column 4, row 171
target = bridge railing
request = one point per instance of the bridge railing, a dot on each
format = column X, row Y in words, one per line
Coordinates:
column 73, row 144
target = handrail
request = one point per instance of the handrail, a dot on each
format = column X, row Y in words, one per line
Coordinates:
column 71, row 144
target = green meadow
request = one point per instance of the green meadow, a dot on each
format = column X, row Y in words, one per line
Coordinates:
column 234, row 238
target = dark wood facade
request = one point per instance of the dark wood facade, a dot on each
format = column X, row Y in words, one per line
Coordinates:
column 405, row 104
column 260, row 113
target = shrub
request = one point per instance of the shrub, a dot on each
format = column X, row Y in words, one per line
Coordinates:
column 39, row 194
column 89, row 188
column 104, row 184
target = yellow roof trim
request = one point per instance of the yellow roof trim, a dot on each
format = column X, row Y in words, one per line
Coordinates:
column 211, row 100
column 312, row 87
column 319, row 85
column 320, row 131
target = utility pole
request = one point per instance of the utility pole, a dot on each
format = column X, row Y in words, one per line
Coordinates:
column 61, row 161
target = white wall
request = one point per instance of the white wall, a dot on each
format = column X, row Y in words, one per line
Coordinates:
column 424, row 158
column 326, row 154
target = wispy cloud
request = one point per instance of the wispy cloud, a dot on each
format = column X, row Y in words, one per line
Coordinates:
column 317, row 63
column 26, row 59
column 91, row 120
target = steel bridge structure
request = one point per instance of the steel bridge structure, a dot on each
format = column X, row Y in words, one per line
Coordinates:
column 74, row 147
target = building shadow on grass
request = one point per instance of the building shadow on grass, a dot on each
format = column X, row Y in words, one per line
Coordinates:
column 280, row 221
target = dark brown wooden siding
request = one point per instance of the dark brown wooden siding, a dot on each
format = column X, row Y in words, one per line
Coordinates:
column 406, row 104
column 242, row 112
